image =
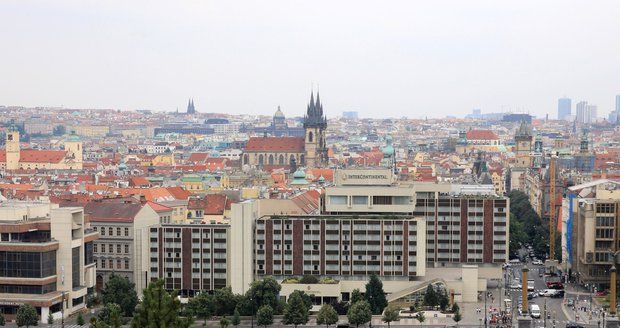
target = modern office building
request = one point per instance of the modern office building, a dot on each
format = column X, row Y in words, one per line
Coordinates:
column 46, row 257
column 564, row 108
column 190, row 257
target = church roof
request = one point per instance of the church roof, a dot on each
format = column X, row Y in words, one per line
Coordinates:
column 37, row 156
column 276, row 144
column 278, row 113
column 481, row 135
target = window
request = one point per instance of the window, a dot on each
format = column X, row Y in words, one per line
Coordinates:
column 103, row 263
column 110, row 248
column 126, row 249
column 110, row 231
column 118, row 248
column 360, row 200
column 126, row 232
column 95, row 248
column 118, row 231
column 382, row 200
column 338, row 200
column 126, row 264
column 118, row 264
column 102, row 231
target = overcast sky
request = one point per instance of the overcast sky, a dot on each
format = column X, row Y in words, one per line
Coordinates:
column 381, row 58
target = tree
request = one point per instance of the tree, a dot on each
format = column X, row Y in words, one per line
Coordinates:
column 80, row 319
column 50, row 319
column 236, row 319
column 457, row 317
column 309, row 279
column 341, row 307
column 59, row 130
column 327, row 316
column 359, row 313
column 390, row 314
column 225, row 301
column 296, row 311
column 430, row 297
column 111, row 315
column 2, row 321
column 96, row 323
column 455, row 308
column 420, row 317
column 264, row 316
column 224, row 323
column 27, row 316
column 121, row 291
column 356, row 296
column 159, row 309
column 264, row 292
column 202, row 306
column 375, row 294
column 443, row 300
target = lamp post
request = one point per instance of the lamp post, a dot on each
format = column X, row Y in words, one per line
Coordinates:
column 613, row 291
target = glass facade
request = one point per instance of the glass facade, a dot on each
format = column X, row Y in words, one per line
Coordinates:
column 75, row 267
column 27, row 264
column 28, row 289
column 88, row 253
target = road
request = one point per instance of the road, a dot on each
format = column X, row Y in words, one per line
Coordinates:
column 553, row 306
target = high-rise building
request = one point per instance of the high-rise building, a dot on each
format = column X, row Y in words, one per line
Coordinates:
column 581, row 112
column 618, row 103
column 564, row 108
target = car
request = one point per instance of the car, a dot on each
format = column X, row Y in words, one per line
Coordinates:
column 548, row 292
column 531, row 295
column 559, row 293
column 574, row 325
column 602, row 293
column 555, row 285
column 515, row 261
column 570, row 302
column 515, row 285
column 535, row 311
column 537, row 262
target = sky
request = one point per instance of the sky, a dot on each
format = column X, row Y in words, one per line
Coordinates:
column 392, row 58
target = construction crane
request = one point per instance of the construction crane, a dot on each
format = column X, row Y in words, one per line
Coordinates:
column 552, row 212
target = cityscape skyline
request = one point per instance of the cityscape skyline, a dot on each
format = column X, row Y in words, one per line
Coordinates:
column 254, row 58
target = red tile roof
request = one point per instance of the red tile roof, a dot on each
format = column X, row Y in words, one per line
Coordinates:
column 215, row 204
column 37, row 156
column 159, row 207
column 481, row 135
column 276, row 144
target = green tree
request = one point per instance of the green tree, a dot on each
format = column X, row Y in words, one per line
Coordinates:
column 420, row 317
column 202, row 306
column 225, row 301
column 50, row 319
column 111, row 315
column 224, row 323
column 443, row 300
column 2, row 321
column 264, row 292
column 359, row 313
column 430, row 296
column 264, row 316
column 391, row 314
column 457, row 317
column 309, row 279
column 375, row 296
column 327, row 316
column 159, row 309
column 27, row 316
column 59, row 130
column 236, row 319
column 96, row 323
column 296, row 311
column 455, row 308
column 80, row 319
column 121, row 291
column 356, row 296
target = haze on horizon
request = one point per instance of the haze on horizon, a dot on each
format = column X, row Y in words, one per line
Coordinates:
column 380, row 58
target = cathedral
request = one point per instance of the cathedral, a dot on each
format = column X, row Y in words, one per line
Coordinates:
column 15, row 158
column 285, row 151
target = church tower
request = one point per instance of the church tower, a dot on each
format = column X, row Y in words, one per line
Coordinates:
column 523, row 139
column 190, row 107
column 12, row 150
column 315, row 124
column 73, row 147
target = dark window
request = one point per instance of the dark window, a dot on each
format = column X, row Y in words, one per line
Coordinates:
column 88, row 253
column 75, row 264
column 27, row 264
column 28, row 289
column 382, row 200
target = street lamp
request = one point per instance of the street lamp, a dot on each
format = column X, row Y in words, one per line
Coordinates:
column 613, row 291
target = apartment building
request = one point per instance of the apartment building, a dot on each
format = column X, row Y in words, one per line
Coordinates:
column 207, row 266
column 122, row 249
column 340, row 247
column 591, row 230
column 46, row 259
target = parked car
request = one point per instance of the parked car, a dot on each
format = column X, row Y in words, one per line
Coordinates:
column 602, row 293
column 537, row 262
column 515, row 285
column 531, row 295
column 570, row 302
column 559, row 293
column 574, row 325
column 555, row 285
column 547, row 292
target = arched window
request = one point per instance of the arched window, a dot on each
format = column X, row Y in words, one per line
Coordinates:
column 281, row 160
column 246, row 159
column 310, row 136
column 292, row 158
column 260, row 159
column 302, row 160
column 270, row 159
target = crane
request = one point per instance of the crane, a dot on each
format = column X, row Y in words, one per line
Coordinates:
column 552, row 212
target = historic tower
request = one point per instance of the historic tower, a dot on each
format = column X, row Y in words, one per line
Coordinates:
column 190, row 107
column 12, row 150
column 315, row 124
column 73, row 147
column 523, row 139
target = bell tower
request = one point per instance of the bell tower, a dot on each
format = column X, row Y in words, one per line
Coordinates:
column 12, row 150
column 523, row 140
column 315, row 124
column 73, row 147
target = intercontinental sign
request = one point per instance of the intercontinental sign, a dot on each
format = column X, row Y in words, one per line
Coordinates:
column 364, row 177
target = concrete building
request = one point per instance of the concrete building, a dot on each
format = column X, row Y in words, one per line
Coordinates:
column 207, row 268
column 123, row 247
column 46, row 257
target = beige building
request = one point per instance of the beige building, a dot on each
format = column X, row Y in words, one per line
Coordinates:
column 46, row 256
column 92, row 131
column 15, row 158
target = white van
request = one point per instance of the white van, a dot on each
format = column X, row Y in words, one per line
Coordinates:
column 535, row 311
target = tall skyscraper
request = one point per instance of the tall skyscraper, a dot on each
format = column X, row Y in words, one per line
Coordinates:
column 564, row 108
column 592, row 113
column 580, row 111
column 618, row 103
